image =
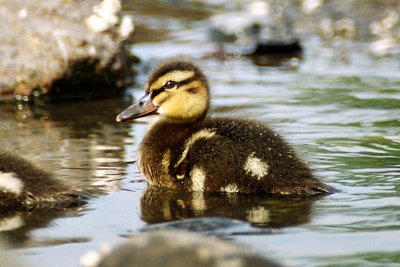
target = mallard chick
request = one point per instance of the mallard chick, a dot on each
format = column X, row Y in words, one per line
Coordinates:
column 188, row 150
column 24, row 186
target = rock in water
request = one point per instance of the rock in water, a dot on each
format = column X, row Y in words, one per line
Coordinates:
column 180, row 248
column 63, row 49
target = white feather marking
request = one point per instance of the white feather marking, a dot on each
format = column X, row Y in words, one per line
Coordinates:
column 10, row 183
column 198, row 203
column 202, row 134
column 256, row 167
column 258, row 215
column 12, row 223
column 198, row 179
column 230, row 188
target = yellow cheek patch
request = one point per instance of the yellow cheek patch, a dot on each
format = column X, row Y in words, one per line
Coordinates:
column 176, row 76
column 184, row 106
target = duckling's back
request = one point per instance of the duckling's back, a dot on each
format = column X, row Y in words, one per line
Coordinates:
column 225, row 155
column 262, row 160
column 260, row 147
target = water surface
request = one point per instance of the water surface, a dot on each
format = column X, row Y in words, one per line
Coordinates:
column 340, row 109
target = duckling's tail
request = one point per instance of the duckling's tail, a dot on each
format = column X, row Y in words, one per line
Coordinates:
column 308, row 187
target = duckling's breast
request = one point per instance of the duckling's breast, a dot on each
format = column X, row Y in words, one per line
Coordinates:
column 154, row 165
column 158, row 151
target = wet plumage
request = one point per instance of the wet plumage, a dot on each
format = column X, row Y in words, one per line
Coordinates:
column 187, row 149
column 25, row 186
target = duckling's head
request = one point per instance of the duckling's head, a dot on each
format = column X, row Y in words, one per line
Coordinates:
column 177, row 90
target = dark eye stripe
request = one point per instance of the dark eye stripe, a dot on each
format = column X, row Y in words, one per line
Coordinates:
column 156, row 92
column 187, row 81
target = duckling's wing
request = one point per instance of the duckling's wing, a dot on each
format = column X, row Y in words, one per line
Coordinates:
column 212, row 162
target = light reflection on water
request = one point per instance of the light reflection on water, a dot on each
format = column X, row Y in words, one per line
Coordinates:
column 342, row 116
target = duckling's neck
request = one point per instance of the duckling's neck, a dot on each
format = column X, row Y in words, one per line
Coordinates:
column 166, row 132
column 184, row 121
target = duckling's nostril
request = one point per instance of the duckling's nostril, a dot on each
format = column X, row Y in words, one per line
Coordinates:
column 141, row 102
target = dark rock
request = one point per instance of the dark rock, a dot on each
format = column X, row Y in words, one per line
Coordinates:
column 276, row 53
column 277, row 48
column 63, row 49
column 264, row 31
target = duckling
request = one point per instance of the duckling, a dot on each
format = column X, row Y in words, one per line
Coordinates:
column 25, row 186
column 186, row 149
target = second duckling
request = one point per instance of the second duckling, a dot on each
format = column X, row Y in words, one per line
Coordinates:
column 188, row 150
column 25, row 186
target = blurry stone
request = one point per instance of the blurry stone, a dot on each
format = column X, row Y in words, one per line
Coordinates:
column 345, row 28
column 390, row 20
column 64, row 49
column 105, row 16
column 309, row 6
column 93, row 257
column 126, row 28
column 178, row 249
column 381, row 27
column 386, row 32
column 260, row 28
column 384, row 46
column 355, row 20
column 282, row 21
column 243, row 24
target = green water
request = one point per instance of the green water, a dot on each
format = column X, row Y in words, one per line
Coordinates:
column 340, row 109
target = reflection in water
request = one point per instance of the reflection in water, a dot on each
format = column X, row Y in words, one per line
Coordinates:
column 162, row 205
column 213, row 226
column 77, row 143
column 16, row 226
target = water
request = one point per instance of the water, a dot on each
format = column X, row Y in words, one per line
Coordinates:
column 340, row 109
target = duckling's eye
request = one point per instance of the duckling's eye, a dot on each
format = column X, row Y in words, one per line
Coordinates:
column 170, row 85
